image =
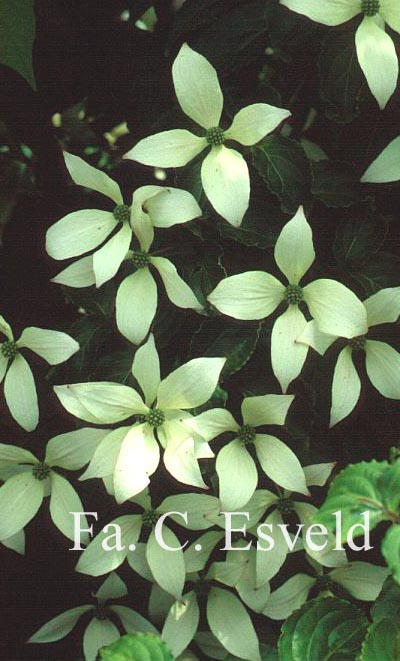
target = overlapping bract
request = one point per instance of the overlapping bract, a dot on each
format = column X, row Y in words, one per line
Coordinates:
column 224, row 172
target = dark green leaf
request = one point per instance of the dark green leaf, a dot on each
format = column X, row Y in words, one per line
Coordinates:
column 17, row 34
column 340, row 76
column 388, row 602
column 114, row 366
column 357, row 240
column 334, row 183
column 377, row 273
column 285, row 168
column 323, row 629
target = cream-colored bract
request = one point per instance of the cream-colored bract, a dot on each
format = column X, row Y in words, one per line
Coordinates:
column 382, row 361
column 224, row 172
column 256, row 294
column 131, row 454
column 28, row 481
column 236, row 469
column 101, row 630
column 376, row 52
column 53, row 346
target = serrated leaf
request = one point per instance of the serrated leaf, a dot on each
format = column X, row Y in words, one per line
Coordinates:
column 382, row 642
column 388, row 602
column 17, row 34
column 283, row 165
column 391, row 550
column 323, row 629
column 340, row 76
column 334, row 183
column 136, row 647
column 358, row 488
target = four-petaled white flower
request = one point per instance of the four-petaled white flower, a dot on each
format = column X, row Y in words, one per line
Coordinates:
column 269, row 563
column 136, row 300
column 236, row 469
column 82, row 231
column 224, row 172
column 28, row 481
column 101, row 630
column 376, row 52
column 256, row 294
column 19, row 385
column 382, row 362
column 131, row 454
column 109, row 548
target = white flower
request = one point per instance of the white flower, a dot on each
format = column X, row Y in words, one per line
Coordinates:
column 83, row 231
column 100, row 631
column 19, row 385
column 131, row 454
column 136, row 301
column 236, row 469
column 386, row 167
column 224, row 172
column 256, row 294
column 98, row 559
column 382, row 362
column 362, row 580
column 28, row 481
column 269, row 563
column 376, row 52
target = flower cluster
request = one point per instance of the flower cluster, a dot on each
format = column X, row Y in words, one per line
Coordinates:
column 241, row 460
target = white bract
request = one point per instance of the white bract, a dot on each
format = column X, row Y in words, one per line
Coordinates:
column 101, row 630
column 256, row 294
column 19, row 385
column 385, row 168
column 224, row 172
column 236, row 469
column 137, row 297
column 362, row 580
column 83, row 231
column 382, row 362
column 376, row 52
column 227, row 618
column 118, row 540
column 28, row 481
column 131, row 454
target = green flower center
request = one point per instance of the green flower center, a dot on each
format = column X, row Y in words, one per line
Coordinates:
column 150, row 518
column 101, row 612
column 215, row 136
column 370, row 7
column 247, row 434
column 285, row 506
column 155, row 418
column 9, row 349
column 122, row 213
column 140, row 259
column 41, row 471
column 294, row 294
column 358, row 343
